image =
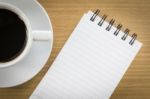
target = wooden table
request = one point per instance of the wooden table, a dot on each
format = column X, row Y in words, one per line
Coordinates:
column 65, row 14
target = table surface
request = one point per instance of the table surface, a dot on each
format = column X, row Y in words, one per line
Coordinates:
column 65, row 14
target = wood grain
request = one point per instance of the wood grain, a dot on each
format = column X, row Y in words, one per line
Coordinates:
column 65, row 14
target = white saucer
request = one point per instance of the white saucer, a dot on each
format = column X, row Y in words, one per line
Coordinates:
column 40, row 51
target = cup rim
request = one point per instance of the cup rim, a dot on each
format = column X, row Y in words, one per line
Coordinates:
column 28, row 33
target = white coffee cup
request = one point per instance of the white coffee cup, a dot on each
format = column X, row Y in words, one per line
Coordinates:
column 31, row 35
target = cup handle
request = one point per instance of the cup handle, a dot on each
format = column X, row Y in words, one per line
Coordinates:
column 42, row 35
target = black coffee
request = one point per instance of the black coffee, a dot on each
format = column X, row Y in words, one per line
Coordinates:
column 12, row 35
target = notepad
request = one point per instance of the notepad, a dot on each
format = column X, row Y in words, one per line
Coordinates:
column 91, row 63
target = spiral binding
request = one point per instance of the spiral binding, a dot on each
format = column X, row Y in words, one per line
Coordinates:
column 111, row 23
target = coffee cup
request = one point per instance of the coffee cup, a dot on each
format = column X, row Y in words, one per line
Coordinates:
column 16, row 35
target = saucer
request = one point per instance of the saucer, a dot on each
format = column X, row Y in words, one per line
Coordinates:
column 40, row 51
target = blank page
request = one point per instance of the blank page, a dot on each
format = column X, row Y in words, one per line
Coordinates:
column 90, row 65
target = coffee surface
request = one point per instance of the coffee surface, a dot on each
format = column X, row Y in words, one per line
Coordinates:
column 12, row 35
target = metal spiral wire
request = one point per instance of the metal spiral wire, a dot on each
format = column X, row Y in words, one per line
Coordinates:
column 111, row 23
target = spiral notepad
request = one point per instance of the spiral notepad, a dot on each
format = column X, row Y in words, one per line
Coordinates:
column 91, row 63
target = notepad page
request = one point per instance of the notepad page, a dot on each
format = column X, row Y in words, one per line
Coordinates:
column 90, row 65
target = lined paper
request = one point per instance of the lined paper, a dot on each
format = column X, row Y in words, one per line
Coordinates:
column 90, row 65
